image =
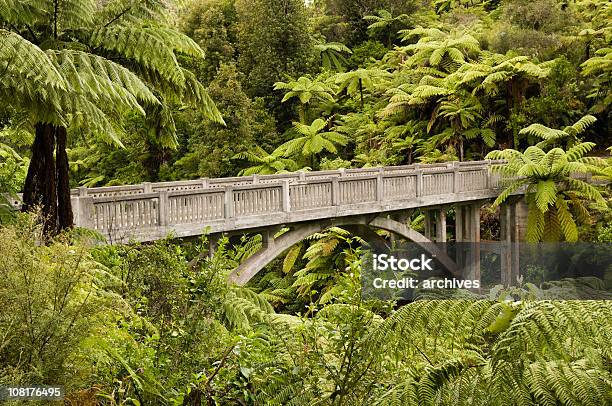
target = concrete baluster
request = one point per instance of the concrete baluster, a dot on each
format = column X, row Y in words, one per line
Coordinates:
column 286, row 197
column 228, row 202
column 419, row 183
column 380, row 187
column 456, row 188
column 335, row 191
column 163, row 208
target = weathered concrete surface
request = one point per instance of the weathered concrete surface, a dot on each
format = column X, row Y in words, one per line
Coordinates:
column 360, row 224
column 151, row 211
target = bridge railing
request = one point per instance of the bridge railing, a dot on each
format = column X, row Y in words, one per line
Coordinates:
column 153, row 209
column 137, row 208
column 206, row 183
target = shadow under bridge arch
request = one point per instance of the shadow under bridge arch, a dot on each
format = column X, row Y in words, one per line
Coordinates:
column 362, row 226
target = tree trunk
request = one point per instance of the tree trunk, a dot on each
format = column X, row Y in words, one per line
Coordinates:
column 46, row 187
column 154, row 157
column 64, row 206
column 587, row 50
column 361, row 93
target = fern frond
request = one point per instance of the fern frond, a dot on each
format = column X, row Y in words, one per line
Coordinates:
column 509, row 190
column 579, row 150
column 587, row 190
column 150, row 47
column 195, row 94
column 535, row 223
column 21, row 61
column 581, row 125
column 546, row 194
column 541, row 131
column 291, row 257
column 566, row 222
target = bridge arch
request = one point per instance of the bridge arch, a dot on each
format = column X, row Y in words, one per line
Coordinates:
column 361, row 226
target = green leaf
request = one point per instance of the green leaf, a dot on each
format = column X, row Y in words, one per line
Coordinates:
column 546, row 195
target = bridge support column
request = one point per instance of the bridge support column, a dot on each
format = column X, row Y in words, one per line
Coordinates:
column 467, row 236
column 267, row 239
column 459, row 232
column 428, row 223
column 441, row 226
column 474, row 239
column 435, row 225
column 513, row 229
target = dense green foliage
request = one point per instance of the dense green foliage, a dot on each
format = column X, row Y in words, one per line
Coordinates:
column 467, row 83
column 137, row 325
column 403, row 83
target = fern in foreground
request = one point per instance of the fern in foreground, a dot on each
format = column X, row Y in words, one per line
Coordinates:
column 449, row 353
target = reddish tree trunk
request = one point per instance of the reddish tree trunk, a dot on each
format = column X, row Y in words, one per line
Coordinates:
column 64, row 206
column 46, row 186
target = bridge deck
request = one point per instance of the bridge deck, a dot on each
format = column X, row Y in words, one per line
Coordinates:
column 150, row 211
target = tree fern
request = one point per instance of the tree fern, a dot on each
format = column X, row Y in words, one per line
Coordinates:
column 242, row 307
column 265, row 163
column 312, row 140
column 100, row 61
column 552, row 191
column 332, row 55
column 438, row 49
column 552, row 136
column 357, row 81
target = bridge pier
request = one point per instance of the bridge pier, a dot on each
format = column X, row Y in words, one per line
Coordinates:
column 434, row 225
column 441, row 226
column 428, row 224
column 467, row 237
column 513, row 230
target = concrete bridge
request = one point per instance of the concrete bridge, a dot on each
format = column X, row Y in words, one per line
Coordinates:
column 304, row 202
